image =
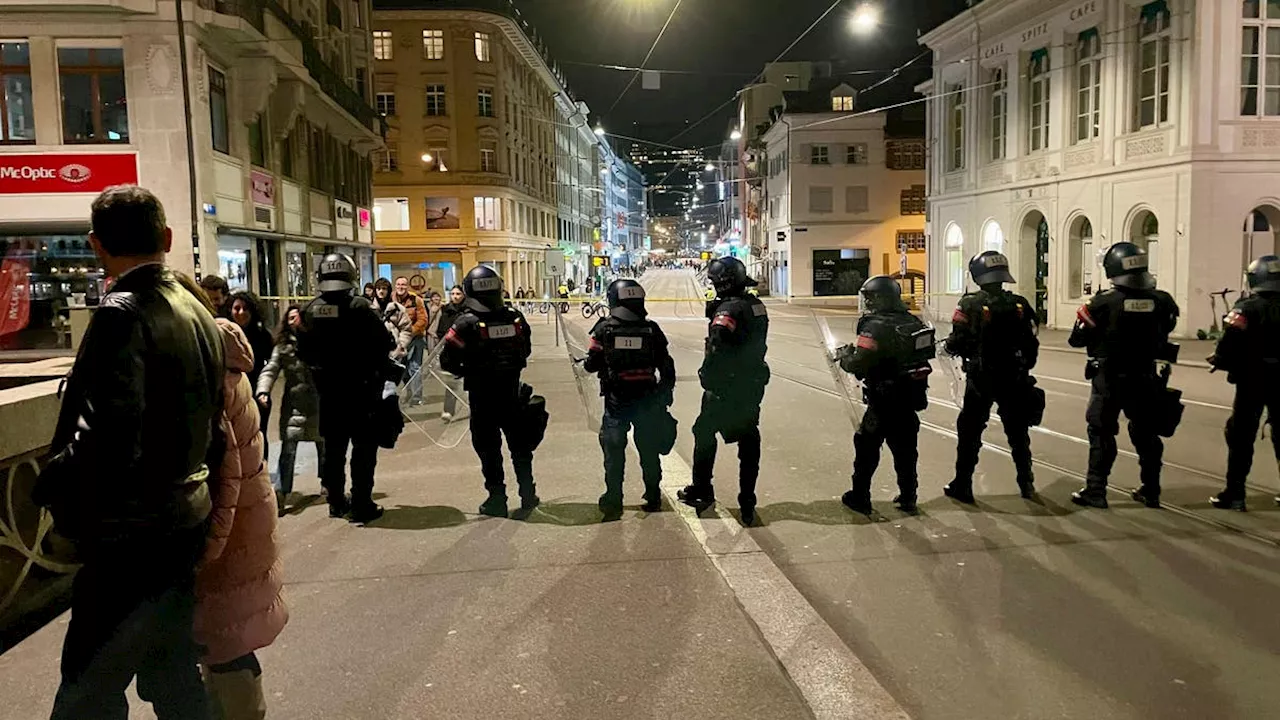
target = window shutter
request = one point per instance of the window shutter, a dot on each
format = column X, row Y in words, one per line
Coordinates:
column 857, row 199
column 807, row 153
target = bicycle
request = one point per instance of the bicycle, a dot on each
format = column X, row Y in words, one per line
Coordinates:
column 594, row 307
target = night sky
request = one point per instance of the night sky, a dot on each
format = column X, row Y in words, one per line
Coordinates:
column 724, row 43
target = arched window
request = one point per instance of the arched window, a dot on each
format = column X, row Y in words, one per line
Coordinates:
column 953, row 243
column 992, row 237
column 1145, row 233
column 1080, row 258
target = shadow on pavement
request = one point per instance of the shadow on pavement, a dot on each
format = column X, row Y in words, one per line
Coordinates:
column 566, row 514
column 820, row 512
column 409, row 517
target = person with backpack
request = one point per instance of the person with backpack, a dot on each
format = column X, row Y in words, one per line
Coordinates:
column 994, row 331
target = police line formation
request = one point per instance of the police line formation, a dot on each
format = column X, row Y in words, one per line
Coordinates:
column 1125, row 330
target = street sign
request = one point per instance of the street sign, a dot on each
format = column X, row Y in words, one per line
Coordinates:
column 553, row 265
column 600, row 261
column 782, row 236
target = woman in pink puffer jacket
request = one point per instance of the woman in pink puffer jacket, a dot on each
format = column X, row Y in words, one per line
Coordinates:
column 239, row 607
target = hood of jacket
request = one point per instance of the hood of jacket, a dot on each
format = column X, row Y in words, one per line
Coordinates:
column 236, row 350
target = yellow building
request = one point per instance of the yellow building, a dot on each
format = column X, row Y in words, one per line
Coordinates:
column 470, row 174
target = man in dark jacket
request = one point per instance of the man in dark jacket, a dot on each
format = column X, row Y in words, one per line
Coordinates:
column 449, row 313
column 127, row 482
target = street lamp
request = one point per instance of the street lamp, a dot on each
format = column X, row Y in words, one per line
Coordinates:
column 426, row 157
column 865, row 18
column 711, row 167
column 736, row 134
column 599, row 130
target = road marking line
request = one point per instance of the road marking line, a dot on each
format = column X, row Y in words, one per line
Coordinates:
column 1086, row 383
column 831, row 679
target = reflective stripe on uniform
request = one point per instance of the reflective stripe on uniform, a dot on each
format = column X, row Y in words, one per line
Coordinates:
column 596, row 345
column 866, row 342
column 1083, row 316
column 725, row 321
column 1237, row 320
column 636, row 374
column 453, row 339
column 959, row 318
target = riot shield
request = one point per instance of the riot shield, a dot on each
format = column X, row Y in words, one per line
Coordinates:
column 952, row 367
column 575, row 343
column 850, row 389
column 440, row 411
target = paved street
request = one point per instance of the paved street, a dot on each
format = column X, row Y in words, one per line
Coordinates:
column 1011, row 610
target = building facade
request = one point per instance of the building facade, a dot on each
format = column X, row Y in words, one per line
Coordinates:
column 1058, row 129
column 281, row 134
column 843, row 202
column 489, row 157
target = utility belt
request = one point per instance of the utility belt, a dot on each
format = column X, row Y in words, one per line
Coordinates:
column 910, row 387
column 1166, row 406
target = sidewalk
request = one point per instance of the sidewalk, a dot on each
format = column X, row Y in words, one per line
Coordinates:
column 433, row 612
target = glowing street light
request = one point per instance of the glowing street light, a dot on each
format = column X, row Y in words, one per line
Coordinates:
column 426, row 157
column 865, row 19
column 736, row 134
column 711, row 167
column 599, row 130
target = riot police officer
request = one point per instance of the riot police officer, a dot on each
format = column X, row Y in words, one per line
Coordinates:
column 637, row 380
column 488, row 346
column 1249, row 351
column 1126, row 331
column 733, row 375
column 891, row 357
column 346, row 345
column 994, row 331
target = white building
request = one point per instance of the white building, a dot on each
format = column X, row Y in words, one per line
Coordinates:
column 280, row 133
column 843, row 203
column 1060, row 128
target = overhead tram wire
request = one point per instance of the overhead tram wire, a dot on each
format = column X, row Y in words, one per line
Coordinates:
column 648, row 55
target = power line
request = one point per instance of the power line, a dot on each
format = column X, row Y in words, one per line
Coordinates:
column 648, row 55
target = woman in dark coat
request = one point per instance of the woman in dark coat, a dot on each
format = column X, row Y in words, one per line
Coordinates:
column 299, row 404
column 246, row 311
column 448, row 315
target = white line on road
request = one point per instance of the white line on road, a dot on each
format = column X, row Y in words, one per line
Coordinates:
column 1086, row 383
column 831, row 679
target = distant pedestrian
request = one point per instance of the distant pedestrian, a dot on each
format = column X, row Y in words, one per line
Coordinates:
column 448, row 315
column 435, row 311
column 369, row 293
column 394, row 316
column 299, row 403
column 239, row 606
column 219, row 293
column 416, row 309
column 128, row 479
column 246, row 311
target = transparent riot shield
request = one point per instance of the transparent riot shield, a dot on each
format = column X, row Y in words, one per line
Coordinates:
column 850, row 389
column 576, row 340
column 440, row 410
column 952, row 367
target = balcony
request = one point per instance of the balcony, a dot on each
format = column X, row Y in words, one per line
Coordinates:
column 256, row 13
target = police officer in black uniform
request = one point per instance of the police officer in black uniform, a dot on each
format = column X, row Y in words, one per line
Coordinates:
column 346, row 345
column 637, row 380
column 1249, row 351
column 733, row 375
column 488, row 346
column 891, row 357
column 994, row 331
column 1126, row 331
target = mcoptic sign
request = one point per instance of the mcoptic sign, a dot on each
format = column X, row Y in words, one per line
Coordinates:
column 66, row 173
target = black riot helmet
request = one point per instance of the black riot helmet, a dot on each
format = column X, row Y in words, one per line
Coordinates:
column 626, row 300
column 1126, row 266
column 483, row 288
column 1264, row 274
column 337, row 273
column 880, row 293
column 990, row 268
column 728, row 275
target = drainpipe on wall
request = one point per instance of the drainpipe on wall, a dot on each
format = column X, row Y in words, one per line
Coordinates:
column 191, row 147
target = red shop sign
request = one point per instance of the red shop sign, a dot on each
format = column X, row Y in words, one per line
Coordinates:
column 66, row 173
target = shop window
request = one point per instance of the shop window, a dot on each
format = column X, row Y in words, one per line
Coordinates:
column 482, row 47
column 433, row 44
column 94, row 103
column 17, row 120
column 488, row 213
column 218, row 111
column 383, row 45
column 391, row 214
column 257, row 143
column 57, row 273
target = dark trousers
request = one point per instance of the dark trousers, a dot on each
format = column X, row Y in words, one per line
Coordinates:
column 1135, row 396
column 618, row 419
column 491, row 419
column 1242, row 431
column 289, row 458
column 364, row 460
column 264, row 415
column 978, row 399
column 891, row 422
column 737, row 419
column 132, row 616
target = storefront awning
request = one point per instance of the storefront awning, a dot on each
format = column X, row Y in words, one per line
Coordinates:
column 286, row 237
